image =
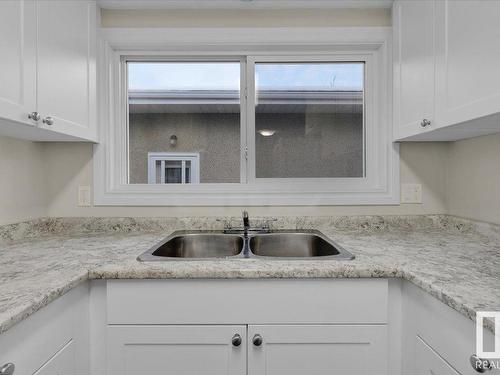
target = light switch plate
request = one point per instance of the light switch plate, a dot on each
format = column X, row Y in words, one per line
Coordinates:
column 411, row 193
column 83, row 196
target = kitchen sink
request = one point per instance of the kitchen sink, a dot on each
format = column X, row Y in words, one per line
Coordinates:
column 196, row 245
column 296, row 244
column 292, row 244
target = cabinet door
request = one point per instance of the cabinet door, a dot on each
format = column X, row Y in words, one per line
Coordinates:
column 468, row 51
column 18, row 60
column 63, row 363
column 429, row 362
column 414, row 66
column 318, row 350
column 66, row 66
column 186, row 350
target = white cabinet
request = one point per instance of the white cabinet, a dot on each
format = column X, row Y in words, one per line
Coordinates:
column 446, row 79
column 48, row 51
column 282, row 349
column 413, row 66
column 53, row 341
column 62, row 363
column 317, row 350
column 66, row 66
column 428, row 362
column 467, row 55
column 18, row 56
column 187, row 350
column 306, row 326
column 437, row 340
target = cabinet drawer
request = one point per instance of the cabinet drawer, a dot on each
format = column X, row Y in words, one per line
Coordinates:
column 276, row 301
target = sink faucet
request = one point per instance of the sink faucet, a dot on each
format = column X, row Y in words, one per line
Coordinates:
column 246, row 222
column 246, row 228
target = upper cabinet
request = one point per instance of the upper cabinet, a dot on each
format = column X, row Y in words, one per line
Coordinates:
column 18, row 56
column 48, row 75
column 413, row 66
column 446, row 82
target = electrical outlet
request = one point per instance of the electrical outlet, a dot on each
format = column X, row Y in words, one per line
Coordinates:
column 411, row 193
column 84, row 196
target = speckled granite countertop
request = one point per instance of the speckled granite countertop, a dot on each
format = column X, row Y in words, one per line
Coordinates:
column 455, row 260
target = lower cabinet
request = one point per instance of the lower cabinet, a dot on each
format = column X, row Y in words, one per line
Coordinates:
column 437, row 340
column 266, row 349
column 317, row 350
column 62, row 363
column 53, row 341
column 186, row 350
column 429, row 362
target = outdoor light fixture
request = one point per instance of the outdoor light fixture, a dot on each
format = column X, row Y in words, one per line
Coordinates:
column 267, row 132
column 173, row 140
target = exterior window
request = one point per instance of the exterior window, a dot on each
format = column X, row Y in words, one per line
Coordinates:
column 184, row 107
column 309, row 120
column 228, row 123
column 173, row 168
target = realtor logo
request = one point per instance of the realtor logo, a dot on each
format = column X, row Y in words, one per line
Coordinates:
column 480, row 316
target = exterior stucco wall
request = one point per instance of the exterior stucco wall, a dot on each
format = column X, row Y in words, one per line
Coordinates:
column 215, row 136
column 304, row 145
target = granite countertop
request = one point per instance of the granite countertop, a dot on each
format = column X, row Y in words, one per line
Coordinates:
column 455, row 260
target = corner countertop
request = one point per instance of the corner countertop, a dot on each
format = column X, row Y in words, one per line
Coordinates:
column 455, row 260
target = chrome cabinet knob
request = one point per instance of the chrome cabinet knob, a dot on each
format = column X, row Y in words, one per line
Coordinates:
column 236, row 340
column 425, row 123
column 7, row 369
column 35, row 116
column 48, row 120
column 257, row 340
column 479, row 364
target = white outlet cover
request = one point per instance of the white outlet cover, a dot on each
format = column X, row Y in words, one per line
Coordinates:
column 83, row 196
column 411, row 193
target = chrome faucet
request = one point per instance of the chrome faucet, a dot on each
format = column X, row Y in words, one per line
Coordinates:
column 246, row 222
column 246, row 228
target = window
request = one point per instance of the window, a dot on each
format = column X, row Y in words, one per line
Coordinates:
column 308, row 119
column 185, row 107
column 292, row 117
column 173, row 168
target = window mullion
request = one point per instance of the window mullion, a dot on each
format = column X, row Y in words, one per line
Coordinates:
column 243, row 121
column 250, row 129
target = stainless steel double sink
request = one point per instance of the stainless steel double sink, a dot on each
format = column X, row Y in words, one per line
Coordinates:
column 204, row 245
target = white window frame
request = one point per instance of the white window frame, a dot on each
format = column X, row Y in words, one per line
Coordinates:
column 380, row 185
column 183, row 157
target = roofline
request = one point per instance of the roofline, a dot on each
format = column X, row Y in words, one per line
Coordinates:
column 244, row 4
column 233, row 97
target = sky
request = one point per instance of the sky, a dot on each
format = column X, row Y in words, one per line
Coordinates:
column 226, row 76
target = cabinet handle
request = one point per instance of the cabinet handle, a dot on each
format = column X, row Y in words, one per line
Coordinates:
column 479, row 364
column 425, row 123
column 35, row 116
column 257, row 340
column 7, row 369
column 236, row 340
column 48, row 120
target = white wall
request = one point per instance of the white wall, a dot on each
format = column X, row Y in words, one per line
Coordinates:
column 247, row 18
column 23, row 189
column 460, row 178
column 473, row 178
